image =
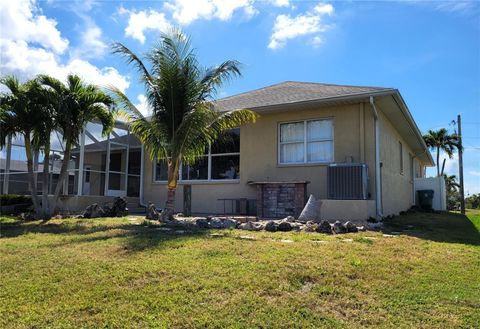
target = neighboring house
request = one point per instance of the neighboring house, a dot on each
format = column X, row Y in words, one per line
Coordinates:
column 273, row 165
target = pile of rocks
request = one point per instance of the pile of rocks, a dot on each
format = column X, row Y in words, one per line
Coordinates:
column 290, row 224
column 281, row 225
column 152, row 212
column 118, row 209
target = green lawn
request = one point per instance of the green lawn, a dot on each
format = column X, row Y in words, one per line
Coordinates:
column 118, row 273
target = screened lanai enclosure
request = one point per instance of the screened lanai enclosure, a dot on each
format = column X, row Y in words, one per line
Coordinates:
column 111, row 165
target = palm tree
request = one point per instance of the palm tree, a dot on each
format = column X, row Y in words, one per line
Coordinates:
column 441, row 140
column 180, row 94
column 76, row 103
column 24, row 112
column 451, row 183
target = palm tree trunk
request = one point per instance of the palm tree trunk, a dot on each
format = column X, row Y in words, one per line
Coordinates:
column 31, row 178
column 62, row 176
column 167, row 213
column 46, row 164
column 438, row 161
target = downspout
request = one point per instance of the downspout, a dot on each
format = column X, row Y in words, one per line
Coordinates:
column 378, row 185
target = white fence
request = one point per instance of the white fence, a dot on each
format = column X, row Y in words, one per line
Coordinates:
column 437, row 184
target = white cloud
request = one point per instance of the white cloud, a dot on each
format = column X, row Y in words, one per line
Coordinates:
column 92, row 44
column 454, row 6
column 451, row 165
column 316, row 41
column 287, row 27
column 460, row 7
column 280, row 3
column 474, row 172
column 143, row 106
column 186, row 11
column 26, row 54
column 22, row 20
column 141, row 21
column 25, row 61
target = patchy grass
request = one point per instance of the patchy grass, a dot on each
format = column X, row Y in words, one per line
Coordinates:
column 120, row 273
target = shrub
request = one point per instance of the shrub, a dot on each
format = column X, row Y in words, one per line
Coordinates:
column 14, row 199
column 473, row 201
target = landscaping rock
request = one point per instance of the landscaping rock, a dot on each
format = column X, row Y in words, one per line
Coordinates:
column 297, row 226
column 246, row 237
column 201, row 222
column 289, row 219
column 350, row 227
column 310, row 227
column 152, row 212
column 271, row 226
column 338, row 228
column 251, row 226
column 284, row 227
column 216, row 222
column 324, row 227
column 118, row 209
column 230, row 223
column 216, row 235
column 93, row 211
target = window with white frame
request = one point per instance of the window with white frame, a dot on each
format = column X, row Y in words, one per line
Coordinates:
column 308, row 141
column 220, row 162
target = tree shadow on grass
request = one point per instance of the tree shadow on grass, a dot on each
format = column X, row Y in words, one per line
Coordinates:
column 134, row 237
column 18, row 228
column 440, row 227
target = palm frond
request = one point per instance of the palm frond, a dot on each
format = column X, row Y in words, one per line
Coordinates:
column 131, row 58
column 121, row 99
column 215, row 77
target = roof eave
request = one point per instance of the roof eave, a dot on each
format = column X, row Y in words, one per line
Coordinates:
column 318, row 101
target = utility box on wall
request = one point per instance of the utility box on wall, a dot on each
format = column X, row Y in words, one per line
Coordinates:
column 347, row 181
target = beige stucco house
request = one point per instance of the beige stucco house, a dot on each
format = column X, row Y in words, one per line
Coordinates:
column 357, row 149
column 303, row 129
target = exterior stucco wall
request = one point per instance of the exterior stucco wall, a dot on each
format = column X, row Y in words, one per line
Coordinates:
column 397, row 186
column 353, row 139
column 352, row 210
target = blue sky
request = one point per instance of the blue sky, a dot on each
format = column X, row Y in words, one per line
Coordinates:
column 430, row 50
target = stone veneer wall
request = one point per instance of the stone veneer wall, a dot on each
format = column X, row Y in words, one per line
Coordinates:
column 278, row 200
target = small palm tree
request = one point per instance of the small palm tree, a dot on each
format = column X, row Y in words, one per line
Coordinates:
column 76, row 104
column 451, row 184
column 441, row 140
column 180, row 95
column 25, row 112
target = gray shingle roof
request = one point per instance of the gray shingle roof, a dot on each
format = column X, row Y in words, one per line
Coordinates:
column 290, row 92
